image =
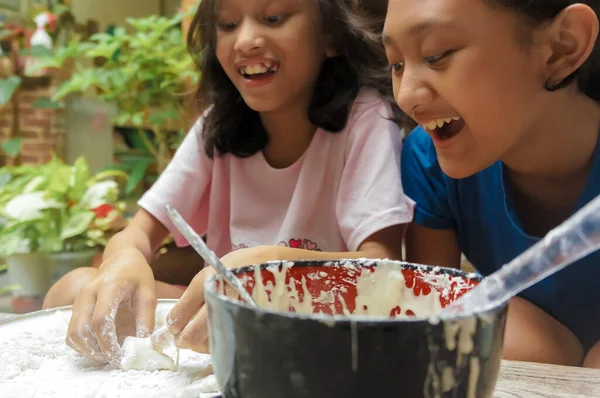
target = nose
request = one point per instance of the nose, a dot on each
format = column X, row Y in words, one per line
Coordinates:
column 249, row 38
column 411, row 91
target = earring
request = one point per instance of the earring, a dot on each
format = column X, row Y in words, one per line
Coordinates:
column 555, row 86
column 550, row 86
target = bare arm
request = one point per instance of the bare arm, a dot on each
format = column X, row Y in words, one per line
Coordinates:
column 432, row 246
column 144, row 234
column 191, row 314
column 386, row 243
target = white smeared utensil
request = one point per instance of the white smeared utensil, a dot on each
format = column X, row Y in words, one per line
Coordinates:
column 162, row 336
column 209, row 256
column 574, row 239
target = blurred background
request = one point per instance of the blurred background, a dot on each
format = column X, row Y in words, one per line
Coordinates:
column 95, row 97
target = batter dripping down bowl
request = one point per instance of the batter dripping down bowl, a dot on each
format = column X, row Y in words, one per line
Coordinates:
column 356, row 328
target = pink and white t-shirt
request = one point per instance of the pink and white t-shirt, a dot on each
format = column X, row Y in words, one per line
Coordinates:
column 344, row 188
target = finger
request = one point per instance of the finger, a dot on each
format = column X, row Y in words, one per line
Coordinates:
column 189, row 304
column 161, row 337
column 95, row 355
column 145, row 309
column 103, row 324
column 80, row 335
column 195, row 334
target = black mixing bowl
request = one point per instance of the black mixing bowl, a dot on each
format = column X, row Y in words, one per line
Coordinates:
column 270, row 353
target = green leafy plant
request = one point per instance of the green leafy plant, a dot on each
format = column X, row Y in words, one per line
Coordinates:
column 57, row 207
column 145, row 73
column 8, row 86
column 8, row 288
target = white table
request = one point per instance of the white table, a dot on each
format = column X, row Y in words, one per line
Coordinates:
column 530, row 380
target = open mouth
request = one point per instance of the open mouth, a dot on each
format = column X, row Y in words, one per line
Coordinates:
column 259, row 71
column 444, row 129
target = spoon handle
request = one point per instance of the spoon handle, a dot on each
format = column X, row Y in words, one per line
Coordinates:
column 208, row 255
column 572, row 240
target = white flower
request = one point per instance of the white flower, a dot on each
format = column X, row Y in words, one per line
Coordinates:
column 29, row 205
column 34, row 184
column 96, row 195
column 95, row 234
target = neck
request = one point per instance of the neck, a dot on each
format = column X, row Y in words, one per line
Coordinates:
column 549, row 168
column 290, row 133
column 561, row 143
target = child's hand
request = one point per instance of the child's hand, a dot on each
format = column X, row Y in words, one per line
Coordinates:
column 188, row 320
column 123, row 283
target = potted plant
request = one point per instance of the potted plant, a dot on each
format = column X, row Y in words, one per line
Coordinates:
column 21, row 46
column 145, row 72
column 54, row 218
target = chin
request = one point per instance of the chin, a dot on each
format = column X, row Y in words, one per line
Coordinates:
column 457, row 169
column 262, row 106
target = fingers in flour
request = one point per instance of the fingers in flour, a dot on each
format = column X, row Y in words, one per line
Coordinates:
column 189, row 304
column 103, row 323
column 145, row 310
column 95, row 355
column 195, row 334
column 80, row 335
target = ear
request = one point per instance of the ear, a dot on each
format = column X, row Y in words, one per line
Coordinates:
column 570, row 38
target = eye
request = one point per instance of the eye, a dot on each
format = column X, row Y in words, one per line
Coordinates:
column 274, row 19
column 437, row 58
column 227, row 26
column 397, row 68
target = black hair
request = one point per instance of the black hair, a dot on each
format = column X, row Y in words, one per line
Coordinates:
column 354, row 27
column 537, row 12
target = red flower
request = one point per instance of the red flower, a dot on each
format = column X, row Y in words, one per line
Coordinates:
column 103, row 210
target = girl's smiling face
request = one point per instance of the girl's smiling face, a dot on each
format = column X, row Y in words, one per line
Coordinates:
column 271, row 50
column 460, row 70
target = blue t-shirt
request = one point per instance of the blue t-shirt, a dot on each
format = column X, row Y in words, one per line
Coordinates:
column 480, row 209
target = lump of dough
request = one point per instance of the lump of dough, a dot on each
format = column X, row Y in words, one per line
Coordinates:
column 206, row 387
column 140, row 354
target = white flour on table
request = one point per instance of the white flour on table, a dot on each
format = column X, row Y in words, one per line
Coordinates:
column 35, row 362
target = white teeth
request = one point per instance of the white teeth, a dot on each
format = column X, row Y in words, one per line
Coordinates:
column 432, row 125
column 258, row 68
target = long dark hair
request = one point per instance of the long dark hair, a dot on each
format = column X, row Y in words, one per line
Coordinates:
column 233, row 127
column 537, row 12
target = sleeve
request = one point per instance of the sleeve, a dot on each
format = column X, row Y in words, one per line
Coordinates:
column 370, row 196
column 185, row 185
column 425, row 182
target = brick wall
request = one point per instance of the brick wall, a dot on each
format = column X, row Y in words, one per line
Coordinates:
column 43, row 130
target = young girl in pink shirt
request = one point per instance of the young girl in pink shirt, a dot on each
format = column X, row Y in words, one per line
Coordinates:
column 298, row 158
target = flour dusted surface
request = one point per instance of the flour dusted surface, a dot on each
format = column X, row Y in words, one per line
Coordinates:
column 35, row 362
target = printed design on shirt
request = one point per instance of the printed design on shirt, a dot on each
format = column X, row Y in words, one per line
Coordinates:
column 238, row 247
column 305, row 244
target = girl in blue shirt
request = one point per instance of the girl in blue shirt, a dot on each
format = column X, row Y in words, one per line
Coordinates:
column 506, row 95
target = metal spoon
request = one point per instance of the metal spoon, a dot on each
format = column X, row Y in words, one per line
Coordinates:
column 574, row 239
column 208, row 255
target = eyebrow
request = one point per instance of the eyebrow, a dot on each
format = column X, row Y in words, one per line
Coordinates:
column 421, row 28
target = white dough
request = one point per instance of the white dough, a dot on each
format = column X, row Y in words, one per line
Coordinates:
column 203, row 388
column 140, row 354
